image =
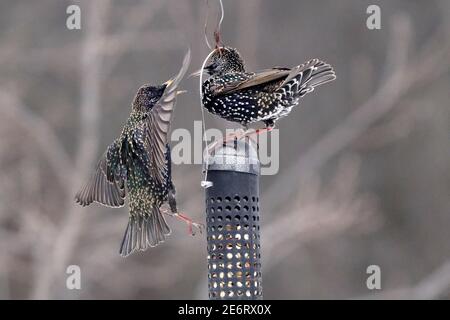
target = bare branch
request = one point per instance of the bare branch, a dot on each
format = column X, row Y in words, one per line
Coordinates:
column 52, row 267
column 40, row 131
column 401, row 78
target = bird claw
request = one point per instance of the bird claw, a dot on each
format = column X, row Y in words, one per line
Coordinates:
column 191, row 224
column 234, row 136
column 199, row 226
column 252, row 135
column 237, row 135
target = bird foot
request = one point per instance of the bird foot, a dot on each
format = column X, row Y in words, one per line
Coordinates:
column 233, row 137
column 238, row 135
column 259, row 131
column 190, row 223
column 252, row 134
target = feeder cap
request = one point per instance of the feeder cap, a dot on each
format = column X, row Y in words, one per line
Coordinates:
column 240, row 156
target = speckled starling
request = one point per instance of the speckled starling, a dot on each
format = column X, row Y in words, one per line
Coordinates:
column 236, row 95
column 138, row 165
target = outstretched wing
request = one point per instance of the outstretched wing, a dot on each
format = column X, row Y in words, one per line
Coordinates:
column 157, row 125
column 106, row 186
column 247, row 80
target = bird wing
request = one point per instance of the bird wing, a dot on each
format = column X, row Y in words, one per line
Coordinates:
column 311, row 74
column 158, row 122
column 254, row 79
column 105, row 186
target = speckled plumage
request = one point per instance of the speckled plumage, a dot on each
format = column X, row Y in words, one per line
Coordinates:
column 267, row 95
column 138, row 165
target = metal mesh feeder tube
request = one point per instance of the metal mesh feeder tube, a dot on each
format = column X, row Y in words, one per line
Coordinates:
column 233, row 223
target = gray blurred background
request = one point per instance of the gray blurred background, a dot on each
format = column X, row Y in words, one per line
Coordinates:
column 364, row 163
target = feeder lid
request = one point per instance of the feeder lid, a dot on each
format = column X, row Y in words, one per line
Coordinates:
column 240, row 156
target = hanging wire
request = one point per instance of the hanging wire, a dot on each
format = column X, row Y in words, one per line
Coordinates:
column 205, row 159
column 217, row 33
column 205, row 183
column 222, row 16
column 206, row 26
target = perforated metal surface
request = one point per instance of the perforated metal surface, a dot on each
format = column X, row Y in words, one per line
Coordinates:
column 233, row 234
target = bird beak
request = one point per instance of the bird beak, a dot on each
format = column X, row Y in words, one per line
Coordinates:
column 207, row 68
column 196, row 73
column 168, row 82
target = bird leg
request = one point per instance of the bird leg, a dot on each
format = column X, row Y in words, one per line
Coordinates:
column 190, row 223
column 247, row 133
column 234, row 136
column 266, row 129
column 239, row 134
column 174, row 212
column 253, row 132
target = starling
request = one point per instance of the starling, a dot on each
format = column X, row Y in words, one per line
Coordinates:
column 247, row 97
column 138, row 165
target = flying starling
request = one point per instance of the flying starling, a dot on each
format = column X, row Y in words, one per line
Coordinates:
column 138, row 165
column 236, row 95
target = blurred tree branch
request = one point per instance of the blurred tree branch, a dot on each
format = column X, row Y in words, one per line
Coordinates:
column 56, row 260
column 319, row 214
column 402, row 75
column 39, row 130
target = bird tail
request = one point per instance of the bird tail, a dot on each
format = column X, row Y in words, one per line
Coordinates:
column 304, row 78
column 144, row 231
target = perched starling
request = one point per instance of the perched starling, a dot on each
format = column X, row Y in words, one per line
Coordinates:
column 138, row 165
column 246, row 97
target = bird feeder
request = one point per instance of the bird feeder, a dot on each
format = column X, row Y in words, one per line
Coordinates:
column 233, row 222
